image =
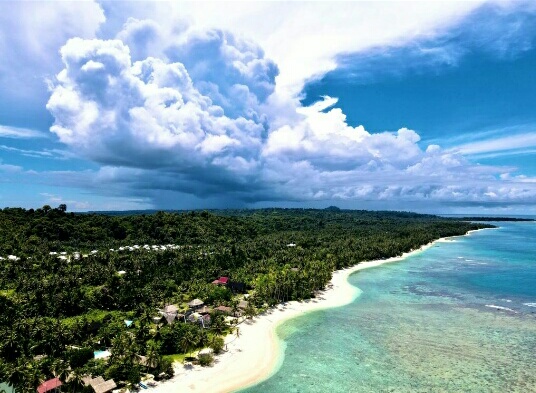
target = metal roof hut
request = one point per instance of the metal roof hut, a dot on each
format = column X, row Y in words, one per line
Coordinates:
column 196, row 303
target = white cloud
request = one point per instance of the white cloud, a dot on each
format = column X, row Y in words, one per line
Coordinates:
column 20, row 133
column 177, row 105
column 304, row 40
column 500, row 144
column 154, row 127
column 31, row 34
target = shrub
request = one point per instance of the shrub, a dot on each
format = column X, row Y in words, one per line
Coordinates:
column 205, row 359
column 217, row 344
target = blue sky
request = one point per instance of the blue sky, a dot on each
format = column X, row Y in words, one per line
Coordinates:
column 408, row 106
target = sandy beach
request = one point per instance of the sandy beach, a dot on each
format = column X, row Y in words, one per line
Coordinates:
column 254, row 356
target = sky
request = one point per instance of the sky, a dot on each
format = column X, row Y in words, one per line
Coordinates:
column 420, row 106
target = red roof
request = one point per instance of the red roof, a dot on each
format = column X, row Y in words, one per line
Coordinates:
column 216, row 282
column 223, row 280
column 49, row 385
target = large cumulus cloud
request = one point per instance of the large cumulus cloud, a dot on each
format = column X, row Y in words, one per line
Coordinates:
column 200, row 115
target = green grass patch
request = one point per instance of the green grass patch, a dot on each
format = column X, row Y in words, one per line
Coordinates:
column 177, row 357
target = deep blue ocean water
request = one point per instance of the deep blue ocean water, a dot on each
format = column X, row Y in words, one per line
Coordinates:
column 458, row 317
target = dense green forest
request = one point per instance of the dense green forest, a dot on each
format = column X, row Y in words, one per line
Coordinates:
column 68, row 282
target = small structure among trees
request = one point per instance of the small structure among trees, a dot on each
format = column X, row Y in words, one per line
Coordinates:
column 221, row 281
column 195, row 304
column 52, row 385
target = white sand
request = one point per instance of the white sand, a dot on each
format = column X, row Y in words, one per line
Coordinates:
column 255, row 355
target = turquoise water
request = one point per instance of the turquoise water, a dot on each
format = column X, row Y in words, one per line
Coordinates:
column 459, row 317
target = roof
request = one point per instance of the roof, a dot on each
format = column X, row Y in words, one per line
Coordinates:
column 93, row 381
column 49, row 385
column 171, row 308
column 224, row 309
column 223, row 280
column 196, row 303
column 104, row 387
column 170, row 318
column 216, row 282
column 243, row 304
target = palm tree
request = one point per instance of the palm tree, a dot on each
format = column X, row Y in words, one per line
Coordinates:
column 188, row 341
column 60, row 369
column 153, row 355
column 76, row 382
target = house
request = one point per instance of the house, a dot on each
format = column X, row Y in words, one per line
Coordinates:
column 195, row 304
column 169, row 318
column 99, row 385
column 224, row 310
column 243, row 304
column 170, row 309
column 221, row 281
column 170, row 313
column 52, row 385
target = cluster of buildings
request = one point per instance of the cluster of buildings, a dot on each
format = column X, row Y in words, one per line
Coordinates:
column 98, row 384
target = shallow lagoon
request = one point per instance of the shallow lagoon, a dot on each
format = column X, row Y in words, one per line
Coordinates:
column 457, row 317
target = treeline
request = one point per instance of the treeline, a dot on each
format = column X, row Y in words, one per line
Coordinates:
column 52, row 303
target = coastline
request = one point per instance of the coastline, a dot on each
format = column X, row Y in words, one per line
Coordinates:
column 255, row 355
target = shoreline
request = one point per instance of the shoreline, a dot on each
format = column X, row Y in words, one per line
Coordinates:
column 255, row 355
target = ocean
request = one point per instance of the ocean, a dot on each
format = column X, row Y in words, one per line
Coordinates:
column 458, row 317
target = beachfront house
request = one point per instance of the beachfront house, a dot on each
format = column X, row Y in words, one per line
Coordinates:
column 52, row 385
column 243, row 304
column 99, row 385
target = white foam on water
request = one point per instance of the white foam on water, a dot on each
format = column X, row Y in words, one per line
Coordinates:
column 500, row 308
column 530, row 304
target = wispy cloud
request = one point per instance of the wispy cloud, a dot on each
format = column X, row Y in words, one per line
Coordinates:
column 20, row 133
column 55, row 154
column 502, row 144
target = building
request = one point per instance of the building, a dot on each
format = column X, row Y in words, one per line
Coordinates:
column 195, row 304
column 52, row 385
column 221, row 281
column 99, row 385
column 224, row 310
